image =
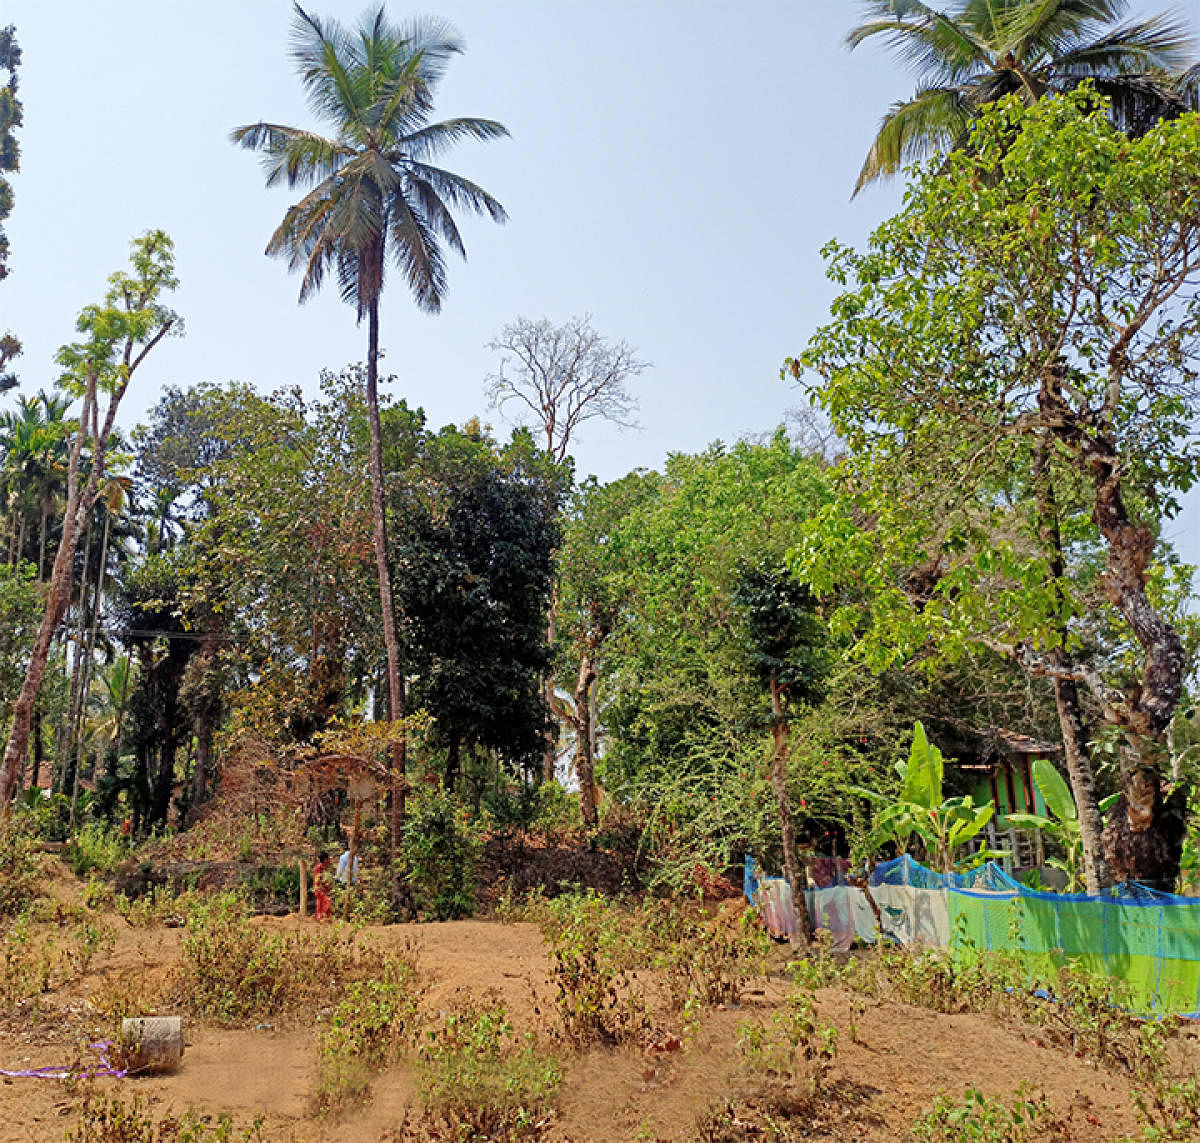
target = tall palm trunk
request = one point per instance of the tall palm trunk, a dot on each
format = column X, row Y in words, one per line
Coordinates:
column 386, row 604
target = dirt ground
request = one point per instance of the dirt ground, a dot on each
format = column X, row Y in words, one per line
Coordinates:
column 892, row 1059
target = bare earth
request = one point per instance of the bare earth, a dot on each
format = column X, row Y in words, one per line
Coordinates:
column 892, row 1059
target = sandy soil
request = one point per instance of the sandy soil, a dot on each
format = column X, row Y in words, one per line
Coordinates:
column 892, row 1059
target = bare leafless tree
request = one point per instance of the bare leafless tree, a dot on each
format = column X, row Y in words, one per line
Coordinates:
column 561, row 376
column 564, row 375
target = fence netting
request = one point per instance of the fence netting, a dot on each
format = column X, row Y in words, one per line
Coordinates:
column 1147, row 940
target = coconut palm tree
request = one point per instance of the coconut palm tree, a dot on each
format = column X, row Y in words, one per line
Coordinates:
column 376, row 196
column 982, row 50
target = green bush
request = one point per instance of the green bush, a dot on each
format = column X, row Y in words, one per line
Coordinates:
column 483, row 1081
column 441, row 856
column 980, row 1120
column 231, row 970
column 365, row 1033
column 95, row 848
column 21, row 865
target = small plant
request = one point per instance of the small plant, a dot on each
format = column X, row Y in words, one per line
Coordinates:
column 708, row 961
column 231, row 970
column 978, row 1119
column 114, row 1120
column 795, row 1049
column 598, row 1001
column 365, row 1033
column 17, row 969
column 1169, row 1109
column 816, row 969
column 482, row 1081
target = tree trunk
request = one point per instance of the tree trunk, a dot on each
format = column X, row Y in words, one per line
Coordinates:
column 780, row 736
column 1152, row 703
column 450, row 777
column 1096, row 873
column 64, row 740
column 78, row 506
column 39, row 750
column 550, row 755
column 583, row 762
column 386, row 603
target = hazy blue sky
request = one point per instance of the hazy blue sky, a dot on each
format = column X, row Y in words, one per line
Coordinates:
column 674, row 170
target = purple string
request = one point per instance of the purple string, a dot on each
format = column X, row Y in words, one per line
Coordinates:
column 103, row 1068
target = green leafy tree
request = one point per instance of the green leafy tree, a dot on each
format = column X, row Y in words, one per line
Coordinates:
column 593, row 569
column 376, row 195
column 686, row 715
column 979, row 51
column 1013, row 365
column 787, row 647
column 117, row 336
column 476, row 530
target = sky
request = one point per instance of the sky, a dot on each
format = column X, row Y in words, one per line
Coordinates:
column 674, row 170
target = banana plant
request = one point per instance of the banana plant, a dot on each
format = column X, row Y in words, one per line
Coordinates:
column 943, row 824
column 1062, row 825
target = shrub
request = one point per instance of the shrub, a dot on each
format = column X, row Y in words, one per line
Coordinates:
column 366, row 1032
column 20, row 861
column 483, row 1081
column 795, row 1048
column 95, row 847
column 231, row 970
column 441, row 855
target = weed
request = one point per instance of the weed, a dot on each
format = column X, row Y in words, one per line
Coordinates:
column 97, row 848
column 818, row 968
column 1169, row 1110
column 710, row 961
column 480, row 1080
column 597, row 1001
column 118, row 1121
column 365, row 1033
column 978, row 1119
column 231, row 970
column 20, row 861
column 98, row 895
column 130, row 992
column 794, row 1050
column 17, row 969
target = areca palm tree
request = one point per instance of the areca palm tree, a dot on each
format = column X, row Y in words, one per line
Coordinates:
column 982, row 50
column 377, row 196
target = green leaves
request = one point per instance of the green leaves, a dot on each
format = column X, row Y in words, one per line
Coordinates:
column 132, row 318
column 372, row 195
column 943, row 824
column 922, row 785
column 1055, row 791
